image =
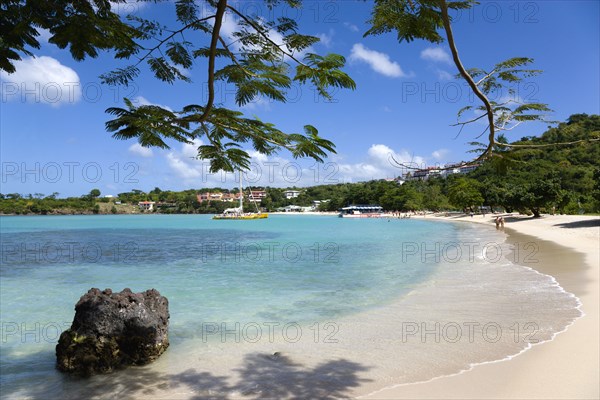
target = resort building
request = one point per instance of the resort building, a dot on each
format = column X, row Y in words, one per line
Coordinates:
column 317, row 203
column 146, row 205
column 203, row 197
column 218, row 196
column 290, row 194
column 257, row 195
column 290, row 208
column 430, row 172
column 231, row 197
column 426, row 173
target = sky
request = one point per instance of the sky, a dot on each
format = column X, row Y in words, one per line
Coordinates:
column 52, row 110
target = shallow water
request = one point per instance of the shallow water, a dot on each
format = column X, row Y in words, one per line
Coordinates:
column 346, row 306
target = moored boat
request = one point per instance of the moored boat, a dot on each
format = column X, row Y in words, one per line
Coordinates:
column 361, row 211
column 238, row 212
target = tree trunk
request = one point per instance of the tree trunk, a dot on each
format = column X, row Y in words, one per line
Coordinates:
column 536, row 212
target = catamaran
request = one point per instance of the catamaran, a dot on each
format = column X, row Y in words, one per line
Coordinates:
column 238, row 212
column 361, row 211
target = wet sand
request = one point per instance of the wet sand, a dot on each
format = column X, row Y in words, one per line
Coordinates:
column 568, row 367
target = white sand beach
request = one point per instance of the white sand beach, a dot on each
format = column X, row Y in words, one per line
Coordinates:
column 568, row 367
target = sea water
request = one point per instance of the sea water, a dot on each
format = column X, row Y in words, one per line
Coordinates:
column 291, row 306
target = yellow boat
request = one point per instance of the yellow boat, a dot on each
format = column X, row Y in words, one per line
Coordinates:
column 237, row 215
column 238, row 212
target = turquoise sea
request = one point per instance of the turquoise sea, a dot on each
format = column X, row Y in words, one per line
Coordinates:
column 319, row 274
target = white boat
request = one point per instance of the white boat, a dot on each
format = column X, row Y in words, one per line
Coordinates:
column 362, row 211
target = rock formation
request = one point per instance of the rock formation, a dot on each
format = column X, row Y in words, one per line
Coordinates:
column 114, row 330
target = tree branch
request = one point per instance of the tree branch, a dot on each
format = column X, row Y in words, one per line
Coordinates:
column 233, row 59
column 264, row 35
column 504, row 128
column 486, row 77
column 549, row 144
column 211, row 60
column 250, row 133
column 482, row 133
column 470, row 121
column 463, row 72
column 166, row 39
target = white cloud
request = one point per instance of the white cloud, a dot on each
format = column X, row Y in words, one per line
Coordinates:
column 182, row 168
column 184, row 162
column 138, row 150
column 350, row 26
column 436, row 54
column 387, row 109
column 277, row 171
column 190, row 150
column 383, row 156
column 228, row 25
column 258, row 102
column 142, row 101
column 381, row 162
column 41, row 80
column 440, row 154
column 379, row 62
column 510, row 98
column 444, row 75
column 326, row 38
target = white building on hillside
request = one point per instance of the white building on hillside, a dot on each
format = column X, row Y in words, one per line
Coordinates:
column 146, row 205
column 290, row 194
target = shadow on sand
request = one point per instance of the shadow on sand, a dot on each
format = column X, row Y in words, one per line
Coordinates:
column 260, row 377
column 590, row 223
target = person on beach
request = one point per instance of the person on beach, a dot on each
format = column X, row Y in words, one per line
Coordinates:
column 499, row 222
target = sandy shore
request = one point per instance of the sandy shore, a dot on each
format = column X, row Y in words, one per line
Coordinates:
column 567, row 367
column 306, row 213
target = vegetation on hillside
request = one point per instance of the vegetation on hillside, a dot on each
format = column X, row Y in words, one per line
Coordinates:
column 542, row 177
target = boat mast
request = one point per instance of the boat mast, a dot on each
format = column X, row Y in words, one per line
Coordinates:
column 241, row 194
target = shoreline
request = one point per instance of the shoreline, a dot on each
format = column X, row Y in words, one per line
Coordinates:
column 567, row 365
column 559, row 369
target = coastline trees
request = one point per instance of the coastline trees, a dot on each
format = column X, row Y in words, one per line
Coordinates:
column 550, row 175
column 563, row 179
column 465, row 193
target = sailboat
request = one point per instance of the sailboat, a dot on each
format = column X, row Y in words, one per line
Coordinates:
column 238, row 212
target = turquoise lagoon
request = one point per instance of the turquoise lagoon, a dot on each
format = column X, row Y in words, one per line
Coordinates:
column 336, row 300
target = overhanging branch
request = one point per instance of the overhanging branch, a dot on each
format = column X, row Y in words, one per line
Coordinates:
column 463, row 72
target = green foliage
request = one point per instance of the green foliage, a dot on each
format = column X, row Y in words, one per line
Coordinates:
column 425, row 19
column 85, row 27
column 465, row 193
column 252, row 61
column 562, row 179
column 559, row 178
column 411, row 19
column 324, row 72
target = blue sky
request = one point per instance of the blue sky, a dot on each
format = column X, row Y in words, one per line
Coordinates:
column 52, row 110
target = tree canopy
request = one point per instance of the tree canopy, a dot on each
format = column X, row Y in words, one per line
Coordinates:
column 261, row 57
column 430, row 20
column 252, row 60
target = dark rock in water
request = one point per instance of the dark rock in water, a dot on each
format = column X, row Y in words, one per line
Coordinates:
column 114, row 330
